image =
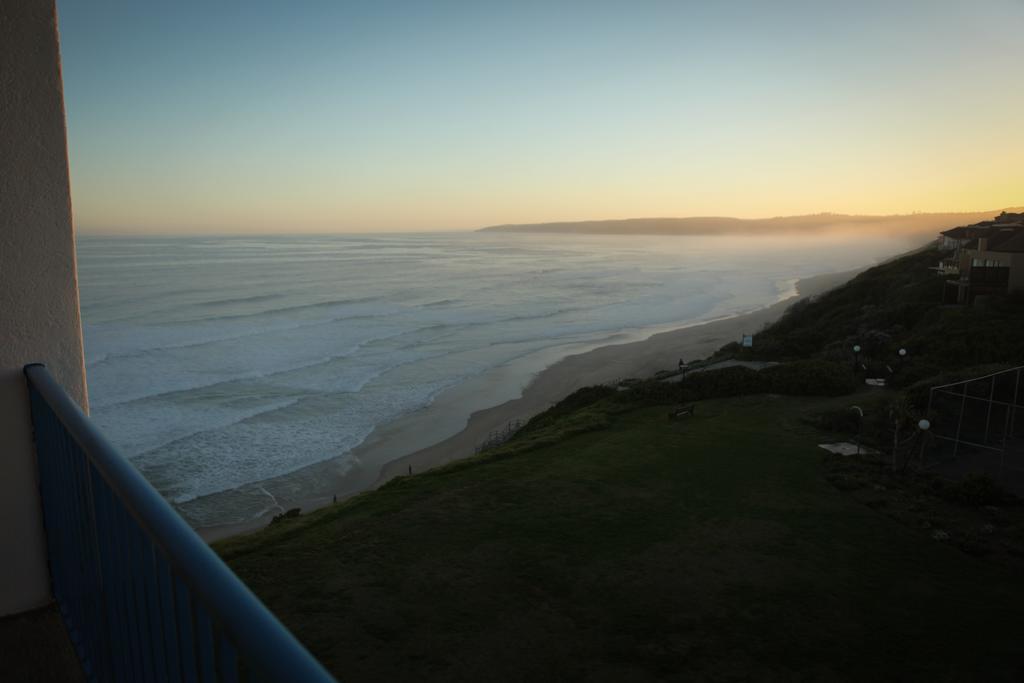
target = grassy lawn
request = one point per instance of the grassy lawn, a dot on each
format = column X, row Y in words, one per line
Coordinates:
column 710, row 548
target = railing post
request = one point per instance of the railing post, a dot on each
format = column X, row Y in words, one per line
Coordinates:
column 41, row 481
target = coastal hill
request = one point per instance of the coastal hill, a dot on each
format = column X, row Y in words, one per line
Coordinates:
column 617, row 536
column 819, row 223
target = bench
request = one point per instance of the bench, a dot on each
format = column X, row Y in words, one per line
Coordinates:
column 682, row 411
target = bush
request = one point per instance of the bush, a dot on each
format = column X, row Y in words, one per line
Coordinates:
column 912, row 373
column 918, row 392
column 802, row 378
column 650, row 392
column 973, row 490
column 842, row 421
column 581, row 398
column 810, row 378
column 733, row 381
column 730, row 350
column 289, row 514
column 876, row 427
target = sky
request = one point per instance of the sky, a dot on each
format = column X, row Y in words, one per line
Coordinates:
column 328, row 116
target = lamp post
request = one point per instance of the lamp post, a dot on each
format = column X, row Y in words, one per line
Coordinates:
column 860, row 425
column 924, row 425
column 856, row 356
column 901, row 355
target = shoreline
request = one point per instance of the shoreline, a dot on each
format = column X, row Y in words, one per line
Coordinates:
column 385, row 455
column 604, row 364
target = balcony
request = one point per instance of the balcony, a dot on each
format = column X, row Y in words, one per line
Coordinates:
column 948, row 266
column 141, row 596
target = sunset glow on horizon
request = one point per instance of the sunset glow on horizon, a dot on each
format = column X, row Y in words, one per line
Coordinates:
column 329, row 117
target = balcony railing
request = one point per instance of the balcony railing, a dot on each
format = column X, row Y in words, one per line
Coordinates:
column 143, row 598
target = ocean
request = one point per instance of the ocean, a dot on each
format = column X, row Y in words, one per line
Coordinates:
column 217, row 362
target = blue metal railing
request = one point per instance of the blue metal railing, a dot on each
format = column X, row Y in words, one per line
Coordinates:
column 143, row 597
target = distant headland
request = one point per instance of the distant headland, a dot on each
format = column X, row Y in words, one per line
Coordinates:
column 819, row 223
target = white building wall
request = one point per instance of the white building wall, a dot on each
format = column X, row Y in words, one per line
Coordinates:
column 39, row 316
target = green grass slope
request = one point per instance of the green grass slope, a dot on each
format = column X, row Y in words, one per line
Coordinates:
column 633, row 548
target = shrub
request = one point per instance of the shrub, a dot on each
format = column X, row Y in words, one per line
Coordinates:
column 972, row 490
column 730, row 350
column 876, row 427
column 918, row 392
column 802, row 378
column 810, row 378
column 912, row 373
column 289, row 514
column 733, row 381
column 841, row 421
column 581, row 398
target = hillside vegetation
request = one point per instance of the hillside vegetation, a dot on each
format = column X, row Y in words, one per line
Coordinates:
column 895, row 305
column 611, row 540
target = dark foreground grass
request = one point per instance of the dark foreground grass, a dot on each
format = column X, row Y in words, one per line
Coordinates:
column 711, row 548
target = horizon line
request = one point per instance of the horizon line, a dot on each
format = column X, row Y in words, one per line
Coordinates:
column 241, row 232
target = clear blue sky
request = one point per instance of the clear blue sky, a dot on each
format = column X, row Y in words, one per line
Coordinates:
column 300, row 116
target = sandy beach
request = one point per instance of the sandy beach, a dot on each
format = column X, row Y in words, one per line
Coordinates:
column 396, row 449
column 605, row 364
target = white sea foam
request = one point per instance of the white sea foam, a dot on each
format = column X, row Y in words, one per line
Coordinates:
column 217, row 362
